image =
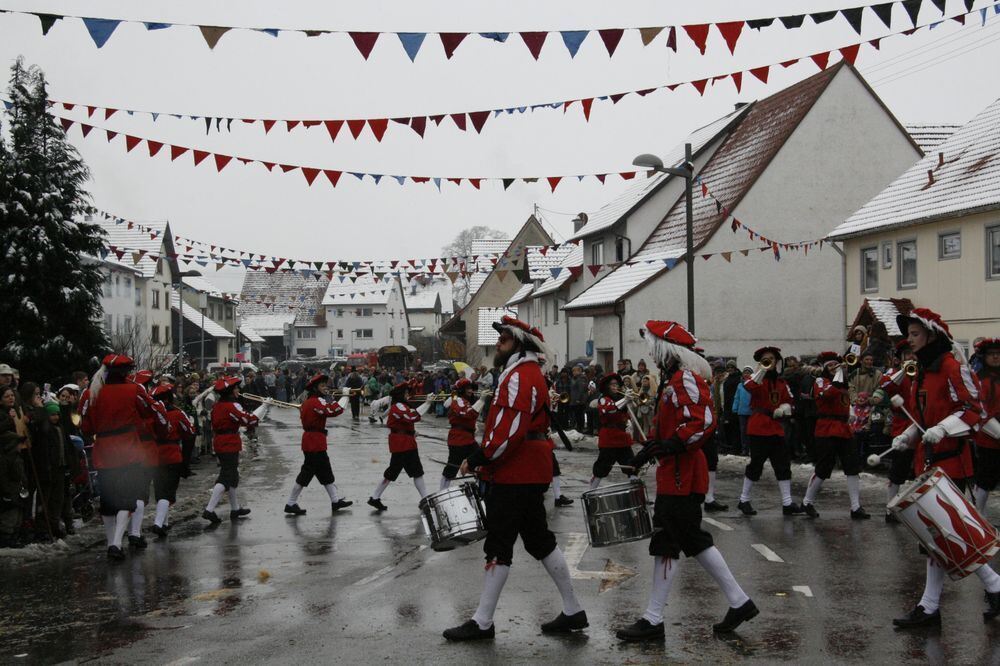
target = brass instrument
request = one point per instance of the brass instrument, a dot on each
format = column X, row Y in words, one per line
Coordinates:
column 343, row 393
column 850, row 359
column 910, row 367
column 767, row 363
column 563, row 398
column 440, row 397
column 76, row 419
column 276, row 403
column 637, row 398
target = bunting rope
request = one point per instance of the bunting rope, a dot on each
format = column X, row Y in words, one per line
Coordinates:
column 101, row 29
column 462, row 120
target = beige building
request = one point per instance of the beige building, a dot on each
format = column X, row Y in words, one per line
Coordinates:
column 933, row 235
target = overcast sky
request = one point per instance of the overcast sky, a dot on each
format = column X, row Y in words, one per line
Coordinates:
column 944, row 75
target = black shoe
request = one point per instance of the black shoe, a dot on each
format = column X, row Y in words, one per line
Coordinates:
column 891, row 519
column 371, row 419
column 641, row 630
column 115, row 554
column 469, row 631
column 238, row 513
column 137, row 542
column 715, row 506
column 562, row 500
column 918, row 617
column 339, row 504
column 294, row 510
column 810, row 510
column 992, row 606
column 377, row 503
column 735, row 617
column 792, row 509
column 211, row 517
column 159, row 531
column 747, row 508
column 860, row 514
column 566, row 623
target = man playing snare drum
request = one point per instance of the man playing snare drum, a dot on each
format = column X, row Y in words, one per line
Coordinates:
column 684, row 422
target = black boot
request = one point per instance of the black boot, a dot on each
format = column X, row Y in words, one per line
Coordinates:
column 747, row 508
column 377, row 504
column 469, row 631
column 860, row 514
column 239, row 513
column 294, row 510
column 137, row 542
column 562, row 500
column 918, row 617
column 810, row 510
column 735, row 617
column 566, row 623
column 891, row 519
column 992, row 606
column 641, row 630
column 211, row 517
column 159, row 531
column 792, row 509
column 339, row 504
column 115, row 554
column 715, row 506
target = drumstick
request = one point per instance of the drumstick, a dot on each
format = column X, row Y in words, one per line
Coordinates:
column 446, row 464
column 919, row 427
column 875, row 459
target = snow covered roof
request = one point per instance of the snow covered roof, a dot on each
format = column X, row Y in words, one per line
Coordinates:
column 561, row 275
column 366, row 290
column 130, row 242
column 644, row 184
column 268, row 325
column 193, row 316
column 621, row 282
column 520, row 295
column 929, row 137
column 202, row 285
column 476, row 281
column 541, row 260
column 250, row 334
column 489, row 245
column 961, row 177
column 422, row 300
column 887, row 309
column 282, row 293
column 487, row 317
column 439, row 285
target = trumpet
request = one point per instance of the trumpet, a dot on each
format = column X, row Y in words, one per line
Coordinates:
column 850, row 359
column 341, row 393
column 910, row 367
column 767, row 363
column 637, row 398
column 276, row 403
column 561, row 398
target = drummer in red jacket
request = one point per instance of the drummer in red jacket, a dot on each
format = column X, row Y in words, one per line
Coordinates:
column 684, row 423
column 833, row 436
column 170, row 458
column 944, row 398
column 614, row 444
column 401, row 423
column 516, row 457
column 228, row 416
column 988, row 437
column 894, row 388
column 462, row 415
column 154, row 428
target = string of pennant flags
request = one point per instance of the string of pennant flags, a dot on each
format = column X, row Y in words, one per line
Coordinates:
column 101, row 29
column 354, row 128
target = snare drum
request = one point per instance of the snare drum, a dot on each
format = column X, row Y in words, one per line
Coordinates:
column 454, row 516
column 617, row 514
column 948, row 525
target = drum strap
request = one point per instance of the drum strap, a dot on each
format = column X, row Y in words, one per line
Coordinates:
column 945, row 455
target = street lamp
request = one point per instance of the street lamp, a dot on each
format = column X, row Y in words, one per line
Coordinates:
column 180, row 308
column 685, row 171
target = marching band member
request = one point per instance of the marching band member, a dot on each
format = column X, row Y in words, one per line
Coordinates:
column 516, row 458
column 114, row 411
column 313, row 413
column 833, row 436
column 895, row 387
column 684, row 422
column 559, row 500
column 988, row 438
column 170, row 457
column 462, row 415
column 228, row 416
column 944, row 400
column 402, row 444
column 770, row 400
column 614, row 444
column 150, row 458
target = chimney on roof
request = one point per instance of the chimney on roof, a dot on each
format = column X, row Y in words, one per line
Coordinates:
column 579, row 222
column 740, row 105
column 940, row 160
column 930, row 178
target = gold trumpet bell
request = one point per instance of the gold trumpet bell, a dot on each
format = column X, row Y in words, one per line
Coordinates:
column 851, row 359
column 910, row 367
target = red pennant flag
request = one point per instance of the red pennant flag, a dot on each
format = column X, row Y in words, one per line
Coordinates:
column 700, row 85
column 221, row 161
column 475, row 182
column 199, row 155
column 601, row 177
column 876, row 43
column 333, row 127
column 378, row 127
column 268, row 165
column 310, row 174
column 731, row 33
column 66, row 123
column 738, row 80
column 616, row 97
column 268, row 124
column 672, row 39
column 417, row 124
column 109, row 112
column 789, row 63
column 111, row 135
column 459, row 119
column 154, row 147
column 90, row 111
column 704, row 190
column 594, row 269
column 68, row 106
column 627, row 175
column 131, row 142
column 85, row 128
column 437, row 119
column 285, row 168
column 761, row 73
column 611, row 37
column 698, row 34
column 850, row 53
column 450, row 42
column 821, row 59
column 333, row 177
column 290, row 125
column 365, row 41
column 554, row 181
column 246, row 160
column 177, row 151
column 587, row 103
column 457, row 181
column 534, row 41
column 356, row 126
column 479, row 119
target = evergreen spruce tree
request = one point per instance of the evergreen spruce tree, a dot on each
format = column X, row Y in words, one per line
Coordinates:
column 49, row 292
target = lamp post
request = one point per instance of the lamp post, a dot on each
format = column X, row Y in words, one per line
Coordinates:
column 180, row 308
column 685, row 171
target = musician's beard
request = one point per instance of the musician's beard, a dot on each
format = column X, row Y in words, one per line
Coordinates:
column 500, row 358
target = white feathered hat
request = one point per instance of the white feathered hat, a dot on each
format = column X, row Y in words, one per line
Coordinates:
column 669, row 340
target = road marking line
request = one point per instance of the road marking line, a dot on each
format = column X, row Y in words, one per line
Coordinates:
column 768, row 554
column 804, row 589
column 716, row 523
column 374, row 576
column 182, row 661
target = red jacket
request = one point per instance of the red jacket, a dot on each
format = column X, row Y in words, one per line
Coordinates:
column 116, row 422
column 516, row 447
column 612, row 434
column 990, row 384
column 943, row 388
column 764, row 399
column 686, row 414
column 900, row 421
column 401, row 423
column 227, row 419
column 833, row 406
column 168, row 440
column 462, row 418
column 313, row 413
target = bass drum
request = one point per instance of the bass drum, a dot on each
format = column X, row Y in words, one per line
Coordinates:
column 454, row 516
column 617, row 514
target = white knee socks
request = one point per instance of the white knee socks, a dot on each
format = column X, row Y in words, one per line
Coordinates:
column 234, row 501
column 293, row 497
column 989, row 578
column 380, row 488
column 594, row 482
column 710, row 495
column 109, row 528
column 815, row 483
column 664, row 572
column 931, row 600
column 786, row 492
column 555, row 564
column 137, row 515
column 496, row 577
column 331, row 490
column 982, row 496
column 556, row 488
column 445, row 482
column 420, row 486
column 213, row 501
column 747, row 487
column 713, row 562
column 854, row 491
column 121, row 524
column 891, row 491
column 162, row 507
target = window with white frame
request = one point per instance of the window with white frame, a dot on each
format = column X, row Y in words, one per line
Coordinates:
column 993, row 252
column 156, row 299
column 365, row 333
column 340, row 333
column 392, row 334
column 906, row 264
column 950, row 245
column 154, row 335
column 869, row 269
column 597, row 254
column 555, row 310
column 887, row 255
column 545, row 311
column 118, row 285
column 138, row 297
column 126, row 324
column 305, row 333
column 108, row 292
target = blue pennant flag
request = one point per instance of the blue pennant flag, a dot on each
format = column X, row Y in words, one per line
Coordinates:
column 100, row 29
column 437, row 182
column 157, row 26
column 270, row 31
column 412, row 42
column 8, row 105
column 377, row 177
column 359, row 176
column 246, row 262
column 669, row 263
column 400, row 179
column 572, row 39
column 555, row 271
column 495, row 36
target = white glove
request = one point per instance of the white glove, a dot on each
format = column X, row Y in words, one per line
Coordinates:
column 447, row 403
column 900, row 443
column 261, row 412
column 758, row 376
column 934, row 435
column 424, row 408
column 783, row 410
column 593, row 403
column 897, row 401
column 624, row 401
column 992, row 428
column 838, row 377
column 344, row 402
column 429, row 397
column 479, row 406
column 898, row 376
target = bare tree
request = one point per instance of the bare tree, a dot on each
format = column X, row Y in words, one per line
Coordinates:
column 134, row 339
column 461, row 246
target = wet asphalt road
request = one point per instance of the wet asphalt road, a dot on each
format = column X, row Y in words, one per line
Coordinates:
column 365, row 588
